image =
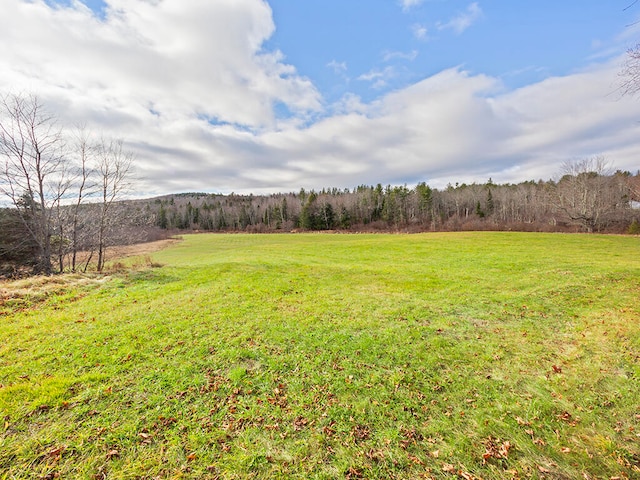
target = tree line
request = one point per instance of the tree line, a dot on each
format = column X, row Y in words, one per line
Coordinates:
column 587, row 197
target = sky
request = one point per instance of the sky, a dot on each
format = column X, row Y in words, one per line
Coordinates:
column 256, row 96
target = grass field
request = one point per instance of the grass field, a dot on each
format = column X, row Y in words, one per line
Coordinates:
column 453, row 355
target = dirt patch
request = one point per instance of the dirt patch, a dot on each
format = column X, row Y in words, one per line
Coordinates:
column 124, row 251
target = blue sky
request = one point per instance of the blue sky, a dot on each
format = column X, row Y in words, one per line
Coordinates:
column 337, row 43
column 266, row 96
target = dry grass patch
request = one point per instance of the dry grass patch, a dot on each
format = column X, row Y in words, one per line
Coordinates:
column 141, row 249
column 25, row 293
column 28, row 292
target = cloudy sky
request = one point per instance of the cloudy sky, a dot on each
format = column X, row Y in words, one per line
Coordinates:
column 256, row 96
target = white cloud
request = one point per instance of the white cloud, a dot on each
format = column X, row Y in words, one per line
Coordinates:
column 337, row 67
column 379, row 78
column 459, row 127
column 153, row 73
column 419, row 31
column 202, row 59
column 463, row 20
column 409, row 56
column 408, row 4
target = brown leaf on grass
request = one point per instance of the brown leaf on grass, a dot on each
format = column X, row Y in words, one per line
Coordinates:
column 565, row 450
column 448, row 468
column 410, row 437
column 375, row 455
column 543, row 470
column 55, row 451
column 495, row 449
column 568, row 418
column 191, row 457
column 300, row 423
column 113, row 453
column 328, row 430
column 55, row 454
column 556, row 369
column 50, row 476
column 415, row 460
column 354, row 473
column 467, row 476
column 166, row 422
column 279, row 398
column 360, row 432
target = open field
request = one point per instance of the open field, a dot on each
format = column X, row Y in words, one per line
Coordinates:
column 454, row 355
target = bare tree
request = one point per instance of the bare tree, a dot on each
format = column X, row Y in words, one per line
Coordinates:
column 630, row 72
column 114, row 169
column 85, row 152
column 34, row 174
column 588, row 193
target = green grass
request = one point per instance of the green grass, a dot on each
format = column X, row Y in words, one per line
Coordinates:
column 461, row 355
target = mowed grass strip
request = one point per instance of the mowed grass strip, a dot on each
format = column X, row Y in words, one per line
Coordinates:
column 454, row 355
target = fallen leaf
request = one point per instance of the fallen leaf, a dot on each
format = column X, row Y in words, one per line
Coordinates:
column 56, row 452
column 494, row 448
column 360, row 432
column 448, row 468
column 112, row 454
column 354, row 473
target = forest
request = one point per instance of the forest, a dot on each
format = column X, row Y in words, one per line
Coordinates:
column 586, row 198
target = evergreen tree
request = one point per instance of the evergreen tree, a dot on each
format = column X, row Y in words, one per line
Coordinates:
column 163, row 221
column 490, row 204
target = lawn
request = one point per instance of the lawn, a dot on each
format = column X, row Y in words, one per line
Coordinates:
column 322, row 356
